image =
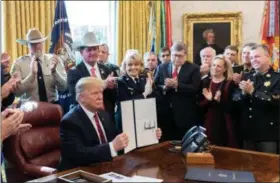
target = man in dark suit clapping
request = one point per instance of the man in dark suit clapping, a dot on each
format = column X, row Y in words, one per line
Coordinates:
column 89, row 49
column 178, row 82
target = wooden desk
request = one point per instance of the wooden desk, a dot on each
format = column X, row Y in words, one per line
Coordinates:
column 157, row 162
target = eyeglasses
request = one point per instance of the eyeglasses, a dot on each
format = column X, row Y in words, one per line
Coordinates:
column 177, row 55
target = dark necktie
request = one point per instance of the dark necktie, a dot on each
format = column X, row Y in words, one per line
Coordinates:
column 137, row 83
column 99, row 129
column 41, row 83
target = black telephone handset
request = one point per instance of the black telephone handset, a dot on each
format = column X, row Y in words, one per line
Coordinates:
column 188, row 141
column 194, row 143
column 191, row 131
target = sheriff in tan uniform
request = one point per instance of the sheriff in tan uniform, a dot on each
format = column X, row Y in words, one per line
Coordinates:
column 41, row 74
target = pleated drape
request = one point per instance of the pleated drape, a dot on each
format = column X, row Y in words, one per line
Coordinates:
column 133, row 20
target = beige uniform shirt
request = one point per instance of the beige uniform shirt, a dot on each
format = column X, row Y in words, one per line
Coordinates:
column 28, row 89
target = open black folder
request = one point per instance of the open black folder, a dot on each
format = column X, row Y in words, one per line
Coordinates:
column 218, row 175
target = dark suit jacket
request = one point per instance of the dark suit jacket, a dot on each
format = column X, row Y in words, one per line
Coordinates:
column 79, row 140
column 182, row 101
column 81, row 71
column 115, row 69
column 8, row 100
column 205, row 82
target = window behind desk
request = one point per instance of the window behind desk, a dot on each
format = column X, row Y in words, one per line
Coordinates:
column 96, row 16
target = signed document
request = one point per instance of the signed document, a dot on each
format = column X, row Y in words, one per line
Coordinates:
column 139, row 121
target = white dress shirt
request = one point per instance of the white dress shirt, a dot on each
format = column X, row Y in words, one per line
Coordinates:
column 90, row 116
column 89, row 67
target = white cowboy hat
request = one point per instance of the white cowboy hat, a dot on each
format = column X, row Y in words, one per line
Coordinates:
column 33, row 36
column 88, row 40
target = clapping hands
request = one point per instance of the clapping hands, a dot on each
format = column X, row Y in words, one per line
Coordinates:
column 246, row 86
column 209, row 96
column 171, row 83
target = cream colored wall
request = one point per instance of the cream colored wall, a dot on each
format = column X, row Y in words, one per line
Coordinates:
column 252, row 12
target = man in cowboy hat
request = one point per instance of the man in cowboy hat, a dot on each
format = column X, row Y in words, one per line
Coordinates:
column 41, row 74
column 88, row 47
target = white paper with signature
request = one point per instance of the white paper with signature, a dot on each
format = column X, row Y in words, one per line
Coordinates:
column 146, row 121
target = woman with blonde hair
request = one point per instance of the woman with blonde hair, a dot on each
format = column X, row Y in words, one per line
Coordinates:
column 132, row 85
column 217, row 100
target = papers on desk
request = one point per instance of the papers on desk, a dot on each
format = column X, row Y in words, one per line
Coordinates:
column 139, row 121
column 218, row 175
column 137, row 178
column 115, row 177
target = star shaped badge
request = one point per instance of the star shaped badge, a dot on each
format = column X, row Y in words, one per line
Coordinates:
column 267, row 83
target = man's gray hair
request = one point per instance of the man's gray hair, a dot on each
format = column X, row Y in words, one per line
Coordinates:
column 250, row 45
column 106, row 46
column 179, row 46
column 85, row 82
column 263, row 47
column 147, row 54
column 208, row 48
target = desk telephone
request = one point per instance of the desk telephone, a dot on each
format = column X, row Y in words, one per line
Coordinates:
column 194, row 140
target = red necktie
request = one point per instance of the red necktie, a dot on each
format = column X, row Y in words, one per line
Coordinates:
column 99, row 129
column 175, row 73
column 92, row 70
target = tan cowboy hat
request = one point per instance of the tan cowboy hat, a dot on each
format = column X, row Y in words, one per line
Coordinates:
column 88, row 40
column 33, row 36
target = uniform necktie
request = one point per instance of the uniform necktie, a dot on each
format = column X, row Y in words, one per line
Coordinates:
column 99, row 129
column 92, row 70
column 137, row 82
column 41, row 83
column 175, row 73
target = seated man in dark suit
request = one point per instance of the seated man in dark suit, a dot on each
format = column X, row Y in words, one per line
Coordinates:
column 178, row 82
column 87, row 134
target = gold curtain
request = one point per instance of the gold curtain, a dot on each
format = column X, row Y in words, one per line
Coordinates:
column 133, row 27
column 19, row 16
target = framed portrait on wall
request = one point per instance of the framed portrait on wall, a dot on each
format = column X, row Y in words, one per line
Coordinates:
column 215, row 29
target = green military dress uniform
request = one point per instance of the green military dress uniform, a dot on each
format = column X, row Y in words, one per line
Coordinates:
column 260, row 110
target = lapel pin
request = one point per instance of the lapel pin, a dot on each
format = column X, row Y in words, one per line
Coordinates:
column 267, row 83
